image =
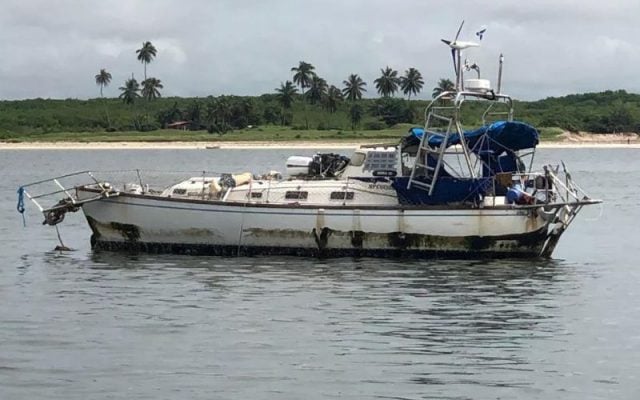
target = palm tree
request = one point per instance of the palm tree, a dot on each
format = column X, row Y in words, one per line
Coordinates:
column 444, row 85
column 222, row 110
column 193, row 114
column 211, row 108
column 130, row 91
column 303, row 75
column 317, row 89
column 103, row 79
column 411, row 82
column 355, row 112
column 146, row 54
column 353, row 87
column 285, row 95
column 388, row 82
column 150, row 88
column 332, row 99
column 219, row 111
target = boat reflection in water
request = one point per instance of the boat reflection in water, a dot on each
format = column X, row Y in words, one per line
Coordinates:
column 444, row 322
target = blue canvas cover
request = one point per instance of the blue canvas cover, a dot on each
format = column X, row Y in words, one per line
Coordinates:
column 449, row 190
column 497, row 137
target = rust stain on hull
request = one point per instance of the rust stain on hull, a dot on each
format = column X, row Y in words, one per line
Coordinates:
column 129, row 232
column 328, row 243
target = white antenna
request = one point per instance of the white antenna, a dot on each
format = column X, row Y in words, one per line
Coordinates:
column 456, row 46
column 500, row 74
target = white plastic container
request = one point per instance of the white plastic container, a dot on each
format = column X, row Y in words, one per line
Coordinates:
column 298, row 165
column 477, row 85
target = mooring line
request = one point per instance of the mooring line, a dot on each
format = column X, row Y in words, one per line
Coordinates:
column 241, row 228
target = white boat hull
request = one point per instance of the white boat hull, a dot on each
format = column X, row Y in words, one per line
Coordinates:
column 158, row 224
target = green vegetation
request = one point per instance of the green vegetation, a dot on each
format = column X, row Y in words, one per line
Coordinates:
column 283, row 116
column 257, row 134
column 317, row 111
column 604, row 112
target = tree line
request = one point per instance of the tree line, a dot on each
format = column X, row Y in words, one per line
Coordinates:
column 604, row 112
column 218, row 115
column 304, row 101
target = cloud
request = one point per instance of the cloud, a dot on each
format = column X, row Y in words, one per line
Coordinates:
column 247, row 47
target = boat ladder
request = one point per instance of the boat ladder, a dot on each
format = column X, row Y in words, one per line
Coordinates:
column 41, row 194
column 424, row 174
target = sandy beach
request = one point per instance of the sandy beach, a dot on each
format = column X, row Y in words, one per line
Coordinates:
column 271, row 145
column 176, row 145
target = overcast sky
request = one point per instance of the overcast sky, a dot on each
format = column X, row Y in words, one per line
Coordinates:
column 53, row 49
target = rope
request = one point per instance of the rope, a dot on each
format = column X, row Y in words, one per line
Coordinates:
column 62, row 246
column 241, row 230
column 20, row 205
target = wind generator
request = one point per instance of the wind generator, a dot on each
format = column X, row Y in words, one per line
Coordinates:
column 456, row 47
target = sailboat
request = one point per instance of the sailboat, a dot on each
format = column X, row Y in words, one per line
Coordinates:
column 442, row 191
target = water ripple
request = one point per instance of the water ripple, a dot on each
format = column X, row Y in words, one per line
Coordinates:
column 103, row 325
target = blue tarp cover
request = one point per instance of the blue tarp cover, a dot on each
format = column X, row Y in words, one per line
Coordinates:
column 501, row 135
column 448, row 190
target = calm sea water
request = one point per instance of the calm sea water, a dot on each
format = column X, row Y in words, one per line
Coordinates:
column 84, row 325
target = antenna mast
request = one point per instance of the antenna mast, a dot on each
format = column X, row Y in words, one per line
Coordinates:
column 500, row 73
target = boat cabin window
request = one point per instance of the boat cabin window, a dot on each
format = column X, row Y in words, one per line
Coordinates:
column 180, row 191
column 296, row 195
column 357, row 159
column 342, row 195
column 256, row 195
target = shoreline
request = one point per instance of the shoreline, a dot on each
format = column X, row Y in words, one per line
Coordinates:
column 265, row 145
column 178, row 145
